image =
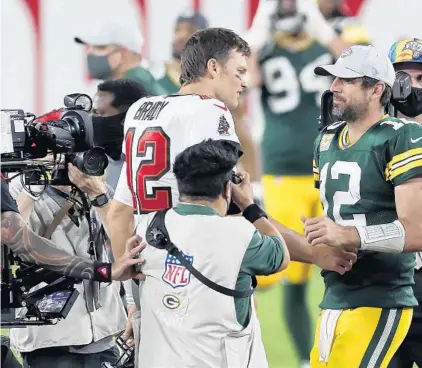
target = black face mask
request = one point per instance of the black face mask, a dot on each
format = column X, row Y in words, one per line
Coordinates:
column 108, row 133
column 412, row 105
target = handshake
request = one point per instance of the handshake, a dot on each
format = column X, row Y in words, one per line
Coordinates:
column 323, row 230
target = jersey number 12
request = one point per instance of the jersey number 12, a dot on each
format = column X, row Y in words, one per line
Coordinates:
column 342, row 198
column 149, row 170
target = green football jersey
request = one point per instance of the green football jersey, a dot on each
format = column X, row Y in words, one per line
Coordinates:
column 159, row 71
column 291, row 98
column 356, row 184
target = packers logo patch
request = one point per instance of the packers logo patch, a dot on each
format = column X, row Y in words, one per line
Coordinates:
column 325, row 142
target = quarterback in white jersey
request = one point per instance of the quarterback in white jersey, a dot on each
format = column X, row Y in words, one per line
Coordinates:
column 214, row 64
column 156, row 130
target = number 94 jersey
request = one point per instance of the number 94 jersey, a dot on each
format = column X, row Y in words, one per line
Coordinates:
column 356, row 184
column 157, row 129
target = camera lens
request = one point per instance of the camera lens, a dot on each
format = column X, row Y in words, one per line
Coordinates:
column 92, row 162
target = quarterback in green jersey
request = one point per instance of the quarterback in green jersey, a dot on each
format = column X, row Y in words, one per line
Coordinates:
column 290, row 100
column 368, row 168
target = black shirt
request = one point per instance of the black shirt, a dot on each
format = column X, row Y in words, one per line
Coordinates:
column 7, row 202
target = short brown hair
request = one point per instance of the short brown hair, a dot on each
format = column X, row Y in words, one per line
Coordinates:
column 209, row 43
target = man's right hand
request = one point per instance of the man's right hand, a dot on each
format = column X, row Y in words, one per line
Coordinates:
column 333, row 259
column 123, row 268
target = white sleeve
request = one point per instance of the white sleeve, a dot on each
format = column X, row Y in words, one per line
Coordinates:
column 214, row 122
column 260, row 32
column 123, row 193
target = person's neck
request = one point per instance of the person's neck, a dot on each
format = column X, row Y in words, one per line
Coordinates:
column 357, row 129
column 198, row 88
column 219, row 206
column 120, row 72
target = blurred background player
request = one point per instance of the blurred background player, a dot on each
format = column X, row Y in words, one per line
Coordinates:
column 114, row 51
column 406, row 56
column 289, row 38
column 167, row 73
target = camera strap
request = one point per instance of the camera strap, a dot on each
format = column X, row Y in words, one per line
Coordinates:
column 158, row 237
column 58, row 217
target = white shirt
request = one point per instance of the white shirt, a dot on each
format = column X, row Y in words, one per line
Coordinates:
column 157, row 129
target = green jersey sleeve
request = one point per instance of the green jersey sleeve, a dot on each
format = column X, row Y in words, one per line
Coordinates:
column 263, row 256
column 404, row 153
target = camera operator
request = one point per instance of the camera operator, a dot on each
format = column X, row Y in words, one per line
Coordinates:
column 85, row 337
column 179, row 313
column 30, row 247
column 406, row 56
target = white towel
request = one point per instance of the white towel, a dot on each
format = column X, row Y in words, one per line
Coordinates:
column 329, row 318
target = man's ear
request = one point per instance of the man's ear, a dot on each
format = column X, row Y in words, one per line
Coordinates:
column 228, row 190
column 379, row 89
column 212, row 68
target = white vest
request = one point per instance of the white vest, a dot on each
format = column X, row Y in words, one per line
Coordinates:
column 80, row 327
column 183, row 323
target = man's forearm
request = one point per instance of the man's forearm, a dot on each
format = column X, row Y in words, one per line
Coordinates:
column 32, row 248
column 299, row 248
column 120, row 226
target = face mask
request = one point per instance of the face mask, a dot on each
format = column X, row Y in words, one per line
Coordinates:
column 108, row 133
column 412, row 106
column 99, row 67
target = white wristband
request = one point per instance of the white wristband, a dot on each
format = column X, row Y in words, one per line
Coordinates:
column 388, row 238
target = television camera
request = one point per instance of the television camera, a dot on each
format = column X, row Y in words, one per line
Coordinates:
column 29, row 140
column 400, row 93
column 38, row 150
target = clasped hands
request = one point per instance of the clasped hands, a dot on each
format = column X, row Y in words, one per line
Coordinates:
column 336, row 245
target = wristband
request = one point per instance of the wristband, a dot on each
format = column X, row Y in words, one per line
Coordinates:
column 253, row 212
column 102, row 272
column 389, row 238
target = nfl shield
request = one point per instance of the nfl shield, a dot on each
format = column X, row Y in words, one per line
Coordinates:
column 175, row 274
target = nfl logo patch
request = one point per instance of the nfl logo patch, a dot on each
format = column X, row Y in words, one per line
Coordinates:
column 325, row 142
column 175, row 274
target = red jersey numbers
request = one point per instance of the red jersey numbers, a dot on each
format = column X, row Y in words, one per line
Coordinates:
column 153, row 155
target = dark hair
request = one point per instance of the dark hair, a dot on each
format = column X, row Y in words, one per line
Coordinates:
column 209, row 43
column 202, row 170
column 368, row 82
column 126, row 92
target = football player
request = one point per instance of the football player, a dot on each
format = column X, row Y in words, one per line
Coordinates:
column 406, row 56
column 300, row 39
column 168, row 76
column 368, row 169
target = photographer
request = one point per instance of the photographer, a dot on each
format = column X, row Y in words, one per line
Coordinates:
column 86, row 335
column 406, row 57
column 179, row 312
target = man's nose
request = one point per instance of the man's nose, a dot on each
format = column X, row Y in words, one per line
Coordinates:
column 335, row 86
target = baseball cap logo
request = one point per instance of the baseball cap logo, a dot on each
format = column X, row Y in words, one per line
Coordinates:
column 346, row 53
column 415, row 47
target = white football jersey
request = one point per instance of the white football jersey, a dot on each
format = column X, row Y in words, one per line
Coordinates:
column 157, row 129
